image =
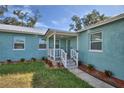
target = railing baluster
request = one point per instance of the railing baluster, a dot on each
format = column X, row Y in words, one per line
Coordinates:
column 74, row 56
column 64, row 57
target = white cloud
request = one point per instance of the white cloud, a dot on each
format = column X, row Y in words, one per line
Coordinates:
column 54, row 22
column 59, row 22
column 26, row 6
column 42, row 25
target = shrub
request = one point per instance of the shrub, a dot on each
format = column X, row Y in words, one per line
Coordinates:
column 108, row 73
column 79, row 62
column 9, row 60
column 33, row 59
column 90, row 66
column 43, row 58
column 22, row 60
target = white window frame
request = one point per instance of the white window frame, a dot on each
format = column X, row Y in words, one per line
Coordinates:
column 39, row 43
column 15, row 42
column 94, row 50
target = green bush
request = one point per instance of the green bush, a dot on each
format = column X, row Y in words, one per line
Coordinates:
column 22, row 60
column 44, row 58
column 79, row 62
column 90, row 66
column 108, row 73
column 9, row 60
column 33, row 59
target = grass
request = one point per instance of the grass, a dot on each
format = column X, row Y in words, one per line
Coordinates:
column 37, row 75
column 16, row 80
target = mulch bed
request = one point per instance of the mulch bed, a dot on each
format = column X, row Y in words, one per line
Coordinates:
column 48, row 62
column 101, row 75
column 60, row 65
column 16, row 62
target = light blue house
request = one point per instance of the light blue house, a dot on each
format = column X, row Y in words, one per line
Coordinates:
column 101, row 45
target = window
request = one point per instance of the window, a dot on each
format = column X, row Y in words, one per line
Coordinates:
column 42, row 43
column 57, row 43
column 19, row 43
column 96, row 41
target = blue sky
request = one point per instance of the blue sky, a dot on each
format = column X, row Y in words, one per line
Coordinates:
column 59, row 17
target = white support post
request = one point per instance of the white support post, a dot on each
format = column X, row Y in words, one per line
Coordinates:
column 48, row 47
column 77, row 42
column 54, row 49
column 66, row 45
column 77, row 49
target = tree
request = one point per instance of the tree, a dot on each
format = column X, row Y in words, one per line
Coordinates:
column 87, row 20
column 93, row 18
column 23, row 18
column 21, row 15
column 33, row 19
column 10, row 20
column 3, row 9
column 77, row 24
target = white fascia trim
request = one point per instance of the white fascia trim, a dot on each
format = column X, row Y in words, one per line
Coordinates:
column 42, row 49
column 67, row 34
column 18, row 49
column 99, row 51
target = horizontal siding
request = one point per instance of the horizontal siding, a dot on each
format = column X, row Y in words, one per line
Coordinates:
column 112, row 57
column 31, row 47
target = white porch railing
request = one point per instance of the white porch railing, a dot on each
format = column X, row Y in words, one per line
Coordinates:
column 57, row 53
column 51, row 53
column 61, row 54
column 74, row 55
column 64, row 58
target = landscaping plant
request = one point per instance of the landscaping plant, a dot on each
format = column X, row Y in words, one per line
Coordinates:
column 9, row 60
column 79, row 62
column 33, row 59
column 108, row 73
column 90, row 66
column 43, row 58
column 22, row 60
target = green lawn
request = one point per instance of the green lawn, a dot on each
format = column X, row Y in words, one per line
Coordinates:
column 37, row 74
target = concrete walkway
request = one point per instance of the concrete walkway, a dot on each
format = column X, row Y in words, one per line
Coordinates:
column 90, row 79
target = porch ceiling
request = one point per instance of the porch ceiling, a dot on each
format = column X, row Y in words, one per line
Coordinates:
column 60, row 34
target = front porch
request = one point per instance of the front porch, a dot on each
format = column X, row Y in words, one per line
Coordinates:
column 63, row 48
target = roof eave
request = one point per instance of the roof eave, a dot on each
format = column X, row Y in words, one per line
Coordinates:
column 21, row 32
column 121, row 16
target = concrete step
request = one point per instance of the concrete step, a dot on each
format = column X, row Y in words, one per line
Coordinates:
column 71, row 64
column 71, row 67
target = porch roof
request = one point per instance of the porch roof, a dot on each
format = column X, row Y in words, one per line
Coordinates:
column 60, row 33
column 20, row 29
